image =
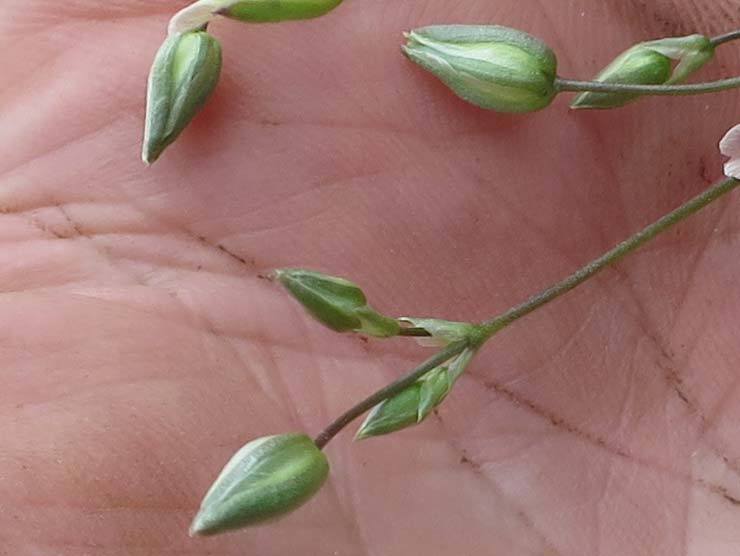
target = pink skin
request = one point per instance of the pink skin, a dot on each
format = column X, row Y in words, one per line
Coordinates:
column 140, row 349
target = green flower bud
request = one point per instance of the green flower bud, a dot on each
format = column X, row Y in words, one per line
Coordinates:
column 413, row 404
column 490, row 66
column 262, row 11
column 649, row 63
column 183, row 75
column 198, row 15
column 268, row 477
column 337, row 303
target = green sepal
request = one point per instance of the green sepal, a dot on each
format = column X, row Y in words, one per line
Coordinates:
column 458, row 365
column 393, row 414
column 266, row 478
column 376, row 324
column 434, row 389
column 691, row 52
column 329, row 299
column 490, row 66
column 184, row 73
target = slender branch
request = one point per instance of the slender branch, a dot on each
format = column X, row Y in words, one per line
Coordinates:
column 610, row 257
column 392, row 389
column 664, row 90
column 725, row 37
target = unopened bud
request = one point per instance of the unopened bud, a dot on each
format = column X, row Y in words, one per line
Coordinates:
column 263, row 11
column 198, row 15
column 335, row 302
column 268, row 477
column 183, row 75
column 493, row 67
column 413, row 404
column 649, row 63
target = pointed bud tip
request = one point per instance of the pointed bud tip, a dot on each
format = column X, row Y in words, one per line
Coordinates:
column 195, row 529
column 148, row 157
column 274, row 274
column 581, row 104
column 202, row 527
column 361, row 434
column 370, row 429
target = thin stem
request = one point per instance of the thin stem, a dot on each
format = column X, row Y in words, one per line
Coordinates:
column 388, row 391
column 610, row 257
column 414, row 331
column 664, row 90
column 725, row 37
column 487, row 328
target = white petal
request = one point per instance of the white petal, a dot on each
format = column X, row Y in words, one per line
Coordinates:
column 194, row 16
column 732, row 168
column 730, row 144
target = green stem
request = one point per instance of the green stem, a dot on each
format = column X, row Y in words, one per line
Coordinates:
column 487, row 328
column 720, row 188
column 389, row 391
column 573, row 85
column 724, row 38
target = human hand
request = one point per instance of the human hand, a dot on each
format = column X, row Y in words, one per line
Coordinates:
column 141, row 348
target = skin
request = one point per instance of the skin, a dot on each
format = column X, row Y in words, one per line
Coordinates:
column 141, row 349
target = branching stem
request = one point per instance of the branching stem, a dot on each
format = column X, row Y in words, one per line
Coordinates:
column 487, row 328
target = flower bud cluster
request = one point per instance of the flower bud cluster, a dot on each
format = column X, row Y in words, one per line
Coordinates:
column 507, row 70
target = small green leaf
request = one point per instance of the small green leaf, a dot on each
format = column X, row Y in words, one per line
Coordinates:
column 375, row 324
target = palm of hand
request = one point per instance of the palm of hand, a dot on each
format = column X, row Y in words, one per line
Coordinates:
column 140, row 348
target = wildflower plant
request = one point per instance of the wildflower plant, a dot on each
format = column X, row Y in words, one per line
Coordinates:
column 489, row 66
